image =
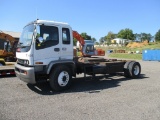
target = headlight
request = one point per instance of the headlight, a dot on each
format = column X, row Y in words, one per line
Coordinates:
column 26, row 62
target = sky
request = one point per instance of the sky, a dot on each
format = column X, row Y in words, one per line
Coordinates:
column 95, row 17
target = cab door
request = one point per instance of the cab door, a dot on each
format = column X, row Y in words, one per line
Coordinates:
column 67, row 44
column 48, row 49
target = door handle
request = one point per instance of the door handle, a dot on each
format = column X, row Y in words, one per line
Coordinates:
column 56, row 49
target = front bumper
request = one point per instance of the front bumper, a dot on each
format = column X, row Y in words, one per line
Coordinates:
column 26, row 74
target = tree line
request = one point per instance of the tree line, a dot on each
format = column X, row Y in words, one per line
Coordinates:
column 129, row 35
column 123, row 34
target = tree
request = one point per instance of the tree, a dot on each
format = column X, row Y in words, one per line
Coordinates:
column 137, row 37
column 85, row 36
column 157, row 36
column 145, row 36
column 126, row 34
column 93, row 39
column 96, row 43
column 109, row 37
column 101, row 40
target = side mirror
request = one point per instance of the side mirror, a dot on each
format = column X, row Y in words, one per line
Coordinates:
column 39, row 40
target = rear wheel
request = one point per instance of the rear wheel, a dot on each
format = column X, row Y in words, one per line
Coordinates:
column 126, row 70
column 132, row 70
column 60, row 78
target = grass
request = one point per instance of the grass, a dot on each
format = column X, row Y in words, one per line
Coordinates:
column 149, row 46
column 131, row 56
column 126, row 56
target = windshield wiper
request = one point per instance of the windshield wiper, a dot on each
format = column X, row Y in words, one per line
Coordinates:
column 20, row 46
column 23, row 46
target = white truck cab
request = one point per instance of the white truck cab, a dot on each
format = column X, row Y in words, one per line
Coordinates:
column 42, row 45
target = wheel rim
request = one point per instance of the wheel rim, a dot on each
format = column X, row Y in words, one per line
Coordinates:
column 63, row 78
column 136, row 70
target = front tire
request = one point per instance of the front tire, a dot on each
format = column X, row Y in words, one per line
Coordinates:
column 60, row 78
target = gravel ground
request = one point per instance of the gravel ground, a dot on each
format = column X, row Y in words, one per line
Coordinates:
column 110, row 98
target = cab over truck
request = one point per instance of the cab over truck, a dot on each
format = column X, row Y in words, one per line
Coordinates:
column 45, row 53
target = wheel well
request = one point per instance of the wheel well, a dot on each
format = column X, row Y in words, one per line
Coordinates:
column 71, row 66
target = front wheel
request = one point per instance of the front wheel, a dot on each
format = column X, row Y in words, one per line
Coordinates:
column 60, row 78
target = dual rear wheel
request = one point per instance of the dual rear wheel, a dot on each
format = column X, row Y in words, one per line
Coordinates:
column 132, row 69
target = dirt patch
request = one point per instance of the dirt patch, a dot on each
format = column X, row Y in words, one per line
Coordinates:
column 137, row 44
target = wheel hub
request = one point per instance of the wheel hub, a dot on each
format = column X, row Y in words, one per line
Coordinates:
column 136, row 70
column 63, row 78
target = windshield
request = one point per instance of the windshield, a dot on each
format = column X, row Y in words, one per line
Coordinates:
column 26, row 36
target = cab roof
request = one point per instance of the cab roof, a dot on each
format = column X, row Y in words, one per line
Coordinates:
column 47, row 22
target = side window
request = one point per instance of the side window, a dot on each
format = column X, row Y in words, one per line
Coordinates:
column 45, row 36
column 65, row 36
column 50, row 36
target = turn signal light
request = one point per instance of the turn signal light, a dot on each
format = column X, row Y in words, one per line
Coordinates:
column 25, row 72
column 38, row 62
